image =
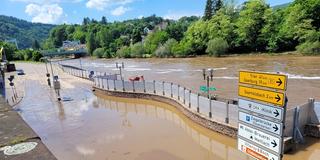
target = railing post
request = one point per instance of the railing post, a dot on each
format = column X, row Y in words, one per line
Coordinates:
column 184, row 95
column 210, row 105
column 189, row 98
column 162, row 87
column 178, row 92
column 98, row 81
column 227, row 113
column 154, row 86
column 198, row 104
column 102, row 82
column 144, row 86
column 108, row 84
column 134, row 90
column 123, row 86
column 171, row 90
column 114, row 85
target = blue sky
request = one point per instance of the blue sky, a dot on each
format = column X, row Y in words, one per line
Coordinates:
column 73, row 11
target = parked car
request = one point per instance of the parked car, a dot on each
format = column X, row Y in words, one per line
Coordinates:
column 20, row 72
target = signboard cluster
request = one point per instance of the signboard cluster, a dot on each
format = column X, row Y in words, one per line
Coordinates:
column 262, row 104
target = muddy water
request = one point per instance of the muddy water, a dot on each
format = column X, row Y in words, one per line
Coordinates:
column 303, row 72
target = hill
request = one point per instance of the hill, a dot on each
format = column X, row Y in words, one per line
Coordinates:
column 23, row 31
column 281, row 6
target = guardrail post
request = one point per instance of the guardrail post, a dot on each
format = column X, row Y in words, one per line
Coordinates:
column 123, row 86
column 210, row 105
column 144, row 86
column 102, row 82
column 114, row 85
column 171, row 90
column 184, row 95
column 162, row 87
column 198, row 107
column 154, row 86
column 227, row 113
column 178, row 92
column 189, row 98
column 134, row 90
column 98, row 81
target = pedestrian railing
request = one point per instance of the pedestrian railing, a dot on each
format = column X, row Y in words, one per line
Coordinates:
column 217, row 111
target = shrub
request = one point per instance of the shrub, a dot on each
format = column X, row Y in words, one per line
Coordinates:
column 36, row 55
column 124, row 52
column 99, row 52
column 166, row 49
column 217, row 46
column 137, row 50
column 309, row 48
column 182, row 49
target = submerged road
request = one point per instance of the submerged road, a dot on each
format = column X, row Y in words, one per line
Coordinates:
column 100, row 127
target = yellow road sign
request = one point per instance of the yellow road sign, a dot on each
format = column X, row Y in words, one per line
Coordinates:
column 276, row 98
column 275, row 81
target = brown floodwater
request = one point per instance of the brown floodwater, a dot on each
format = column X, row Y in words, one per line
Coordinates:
column 303, row 72
column 110, row 128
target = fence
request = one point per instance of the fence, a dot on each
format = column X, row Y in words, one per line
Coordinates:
column 221, row 112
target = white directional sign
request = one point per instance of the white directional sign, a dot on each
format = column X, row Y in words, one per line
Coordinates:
column 255, row 151
column 261, row 123
column 271, row 142
column 270, row 111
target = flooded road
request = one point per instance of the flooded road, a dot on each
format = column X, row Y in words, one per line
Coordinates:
column 303, row 72
column 101, row 127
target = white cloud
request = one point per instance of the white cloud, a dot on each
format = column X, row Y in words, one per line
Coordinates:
column 102, row 4
column 47, row 13
column 119, row 11
column 47, row 1
column 178, row 15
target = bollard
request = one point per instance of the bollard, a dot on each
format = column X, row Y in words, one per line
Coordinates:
column 198, row 107
column 189, row 98
column 154, row 86
column 123, row 89
column 171, row 90
column 210, row 105
column 227, row 113
column 144, row 86
column 162, row 87
column 134, row 90
column 178, row 92
column 114, row 85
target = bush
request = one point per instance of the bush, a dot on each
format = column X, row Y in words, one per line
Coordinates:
column 124, row 52
column 36, row 56
column 99, row 52
column 137, row 50
column 182, row 49
column 309, row 48
column 217, row 47
column 166, row 49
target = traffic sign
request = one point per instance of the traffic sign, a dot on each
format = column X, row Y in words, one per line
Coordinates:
column 274, row 81
column 255, row 151
column 276, row 98
column 265, row 110
column 266, row 140
column 261, row 123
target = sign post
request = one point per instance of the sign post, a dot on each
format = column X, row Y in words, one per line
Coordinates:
column 262, row 108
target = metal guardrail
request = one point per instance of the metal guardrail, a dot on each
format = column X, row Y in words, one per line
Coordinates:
column 218, row 111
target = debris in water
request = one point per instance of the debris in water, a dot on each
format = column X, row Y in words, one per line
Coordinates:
column 19, row 148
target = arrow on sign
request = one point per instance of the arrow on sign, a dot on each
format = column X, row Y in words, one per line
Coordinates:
column 275, row 128
column 274, row 143
column 278, row 98
column 276, row 113
column 279, row 82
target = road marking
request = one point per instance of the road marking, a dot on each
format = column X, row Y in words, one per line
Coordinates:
column 271, row 142
column 276, row 98
column 261, row 123
column 270, row 111
column 255, row 151
column 274, row 81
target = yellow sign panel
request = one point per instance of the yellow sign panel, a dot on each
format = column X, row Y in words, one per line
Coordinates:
column 275, row 81
column 276, row 98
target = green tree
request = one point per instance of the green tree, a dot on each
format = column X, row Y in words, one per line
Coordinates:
column 99, row 52
column 217, row 47
column 197, row 37
column 137, row 50
column 249, row 25
column 208, row 10
column 8, row 49
column 153, row 40
column 91, row 44
column 36, row 56
column 103, row 20
column 124, row 52
column 218, row 5
column 35, row 45
column 166, row 50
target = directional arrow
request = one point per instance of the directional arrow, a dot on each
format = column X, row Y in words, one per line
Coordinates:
column 278, row 98
column 274, row 143
column 279, row 82
column 276, row 113
column 275, row 128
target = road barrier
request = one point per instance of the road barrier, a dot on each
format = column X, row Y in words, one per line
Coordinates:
column 225, row 113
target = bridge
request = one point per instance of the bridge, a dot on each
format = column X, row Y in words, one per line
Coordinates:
column 61, row 52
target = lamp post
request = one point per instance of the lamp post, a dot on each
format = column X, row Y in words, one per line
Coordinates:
column 120, row 67
column 208, row 77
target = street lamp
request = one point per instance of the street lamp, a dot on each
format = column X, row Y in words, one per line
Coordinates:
column 208, row 77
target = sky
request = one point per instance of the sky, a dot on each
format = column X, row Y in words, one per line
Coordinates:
column 73, row 11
